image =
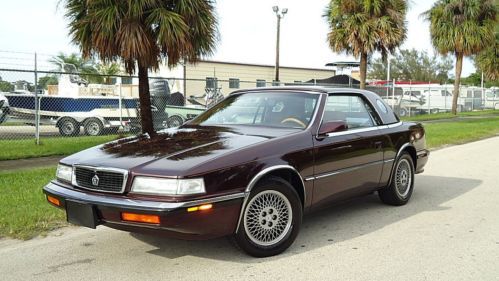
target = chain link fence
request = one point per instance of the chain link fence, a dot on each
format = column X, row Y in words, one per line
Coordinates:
column 36, row 102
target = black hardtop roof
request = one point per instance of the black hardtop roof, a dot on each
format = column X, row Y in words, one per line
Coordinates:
column 308, row 89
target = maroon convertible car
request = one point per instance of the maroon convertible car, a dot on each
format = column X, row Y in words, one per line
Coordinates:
column 249, row 167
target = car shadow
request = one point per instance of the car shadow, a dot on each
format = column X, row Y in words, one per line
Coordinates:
column 344, row 221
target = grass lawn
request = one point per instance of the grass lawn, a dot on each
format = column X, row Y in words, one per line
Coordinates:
column 448, row 115
column 21, row 149
column 459, row 132
column 24, row 212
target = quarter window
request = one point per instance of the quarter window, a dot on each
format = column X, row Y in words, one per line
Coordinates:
column 382, row 106
column 351, row 109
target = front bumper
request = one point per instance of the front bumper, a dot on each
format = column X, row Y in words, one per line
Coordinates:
column 175, row 220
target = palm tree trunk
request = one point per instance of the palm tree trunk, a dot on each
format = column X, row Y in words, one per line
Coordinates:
column 363, row 70
column 457, row 82
column 145, row 102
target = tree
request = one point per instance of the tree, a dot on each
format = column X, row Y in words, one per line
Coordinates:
column 461, row 27
column 47, row 80
column 412, row 65
column 474, row 79
column 86, row 68
column 6, row 86
column 142, row 33
column 488, row 59
column 361, row 27
column 108, row 69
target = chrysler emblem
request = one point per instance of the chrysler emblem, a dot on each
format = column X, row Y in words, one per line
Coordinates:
column 95, row 180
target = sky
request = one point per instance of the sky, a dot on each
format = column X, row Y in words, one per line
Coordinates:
column 247, row 32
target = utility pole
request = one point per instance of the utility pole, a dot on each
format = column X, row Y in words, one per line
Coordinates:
column 37, row 105
column 388, row 81
column 279, row 17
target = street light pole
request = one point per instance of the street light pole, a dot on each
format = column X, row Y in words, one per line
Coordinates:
column 279, row 17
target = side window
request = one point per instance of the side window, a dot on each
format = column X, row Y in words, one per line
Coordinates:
column 351, row 109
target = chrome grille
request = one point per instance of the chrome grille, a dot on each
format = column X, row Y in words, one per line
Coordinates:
column 100, row 179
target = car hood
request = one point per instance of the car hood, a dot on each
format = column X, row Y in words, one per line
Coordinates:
column 172, row 152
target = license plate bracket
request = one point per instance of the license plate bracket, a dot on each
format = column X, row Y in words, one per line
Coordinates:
column 82, row 214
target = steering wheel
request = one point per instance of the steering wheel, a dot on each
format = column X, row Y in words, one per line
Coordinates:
column 294, row 120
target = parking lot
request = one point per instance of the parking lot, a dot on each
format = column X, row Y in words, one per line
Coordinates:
column 449, row 231
column 26, row 131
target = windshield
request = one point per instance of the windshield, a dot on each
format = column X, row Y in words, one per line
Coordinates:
column 287, row 110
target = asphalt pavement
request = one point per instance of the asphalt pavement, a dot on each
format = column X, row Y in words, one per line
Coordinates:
column 26, row 132
column 448, row 231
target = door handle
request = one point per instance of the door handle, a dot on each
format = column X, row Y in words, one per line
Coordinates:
column 378, row 144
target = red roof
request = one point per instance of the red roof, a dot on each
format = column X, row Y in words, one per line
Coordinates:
column 385, row 82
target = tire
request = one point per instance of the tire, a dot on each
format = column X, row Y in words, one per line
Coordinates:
column 68, row 127
column 403, row 112
column 93, row 127
column 257, row 219
column 401, row 185
column 174, row 121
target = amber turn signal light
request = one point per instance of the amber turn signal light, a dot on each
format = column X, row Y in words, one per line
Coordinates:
column 152, row 219
column 54, row 200
column 200, row 208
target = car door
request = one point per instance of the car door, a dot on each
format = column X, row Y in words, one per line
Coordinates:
column 350, row 162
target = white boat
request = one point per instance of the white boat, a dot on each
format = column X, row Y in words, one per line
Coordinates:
column 74, row 103
column 4, row 108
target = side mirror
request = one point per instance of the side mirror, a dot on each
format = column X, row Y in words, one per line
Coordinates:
column 332, row 127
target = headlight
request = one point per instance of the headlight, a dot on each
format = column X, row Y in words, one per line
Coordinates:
column 150, row 185
column 64, row 172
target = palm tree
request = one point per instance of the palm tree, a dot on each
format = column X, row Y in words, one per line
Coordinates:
column 84, row 67
column 108, row 69
column 361, row 27
column 461, row 27
column 143, row 33
column 488, row 59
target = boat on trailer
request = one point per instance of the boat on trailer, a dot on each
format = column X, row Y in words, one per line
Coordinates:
column 99, row 109
column 74, row 103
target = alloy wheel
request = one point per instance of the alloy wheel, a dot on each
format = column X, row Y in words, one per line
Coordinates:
column 403, row 178
column 268, row 217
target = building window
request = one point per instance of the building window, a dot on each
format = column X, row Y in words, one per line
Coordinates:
column 112, row 80
column 234, row 83
column 276, row 83
column 126, row 80
column 211, row 82
column 261, row 83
